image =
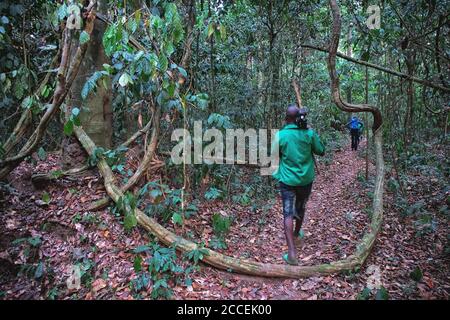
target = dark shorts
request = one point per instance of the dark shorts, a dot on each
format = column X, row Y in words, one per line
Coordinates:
column 294, row 200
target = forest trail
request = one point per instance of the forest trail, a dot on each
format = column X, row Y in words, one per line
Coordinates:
column 336, row 219
column 333, row 225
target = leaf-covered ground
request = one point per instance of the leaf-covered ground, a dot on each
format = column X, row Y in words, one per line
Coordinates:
column 39, row 242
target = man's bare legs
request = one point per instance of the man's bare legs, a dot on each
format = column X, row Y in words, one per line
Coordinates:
column 298, row 226
column 294, row 201
column 288, row 231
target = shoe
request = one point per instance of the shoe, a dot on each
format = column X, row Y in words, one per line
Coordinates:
column 292, row 262
column 299, row 239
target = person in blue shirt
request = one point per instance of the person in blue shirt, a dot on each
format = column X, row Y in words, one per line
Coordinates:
column 356, row 127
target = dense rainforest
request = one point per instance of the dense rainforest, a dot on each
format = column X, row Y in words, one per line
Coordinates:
column 118, row 176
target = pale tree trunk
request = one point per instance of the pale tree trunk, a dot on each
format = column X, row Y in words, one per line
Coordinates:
column 96, row 111
column 350, row 54
column 409, row 117
column 67, row 72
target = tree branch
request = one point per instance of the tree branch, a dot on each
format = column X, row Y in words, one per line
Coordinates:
column 381, row 68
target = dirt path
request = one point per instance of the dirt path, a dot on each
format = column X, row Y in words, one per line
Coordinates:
column 333, row 223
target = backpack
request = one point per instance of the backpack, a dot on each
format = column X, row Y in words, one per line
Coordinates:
column 354, row 124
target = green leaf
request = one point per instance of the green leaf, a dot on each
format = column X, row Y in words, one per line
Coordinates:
column 27, row 103
column 75, row 112
column 62, row 11
column 137, row 265
column 223, row 32
column 42, row 154
column 91, row 83
column 210, row 29
column 5, row 20
column 45, row 91
column 171, row 90
column 84, row 37
column 382, row 294
column 138, row 55
column 141, row 249
column 39, row 271
column 363, row 295
column 34, row 241
column 169, row 49
column 68, row 128
column 46, row 198
column 108, row 68
column 163, row 63
column 183, row 72
column 130, row 221
column 416, row 274
column 76, row 121
column 124, row 80
column 132, row 25
column 56, row 174
column 177, row 219
column 155, row 193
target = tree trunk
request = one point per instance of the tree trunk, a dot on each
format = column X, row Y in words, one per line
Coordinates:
column 67, row 72
column 409, row 117
column 350, row 54
column 96, row 112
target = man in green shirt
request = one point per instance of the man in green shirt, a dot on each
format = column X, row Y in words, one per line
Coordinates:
column 297, row 145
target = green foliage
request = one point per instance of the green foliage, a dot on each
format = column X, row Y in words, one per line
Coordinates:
column 86, row 266
column 46, row 198
column 393, row 185
column 218, row 243
column 91, row 83
column 416, row 274
column 364, row 294
column 382, row 294
column 166, row 202
column 219, row 121
column 161, row 269
column 84, row 37
column 244, row 198
column 127, row 206
column 74, row 120
column 379, row 294
column 177, row 218
column 213, row 194
column 139, row 72
column 115, row 158
column 197, row 254
column 221, row 225
column 42, row 154
column 53, row 293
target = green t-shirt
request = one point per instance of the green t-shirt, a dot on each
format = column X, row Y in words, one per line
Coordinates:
column 296, row 149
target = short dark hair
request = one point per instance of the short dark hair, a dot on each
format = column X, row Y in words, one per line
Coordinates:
column 290, row 114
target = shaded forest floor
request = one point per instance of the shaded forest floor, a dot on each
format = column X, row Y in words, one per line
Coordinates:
column 40, row 242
